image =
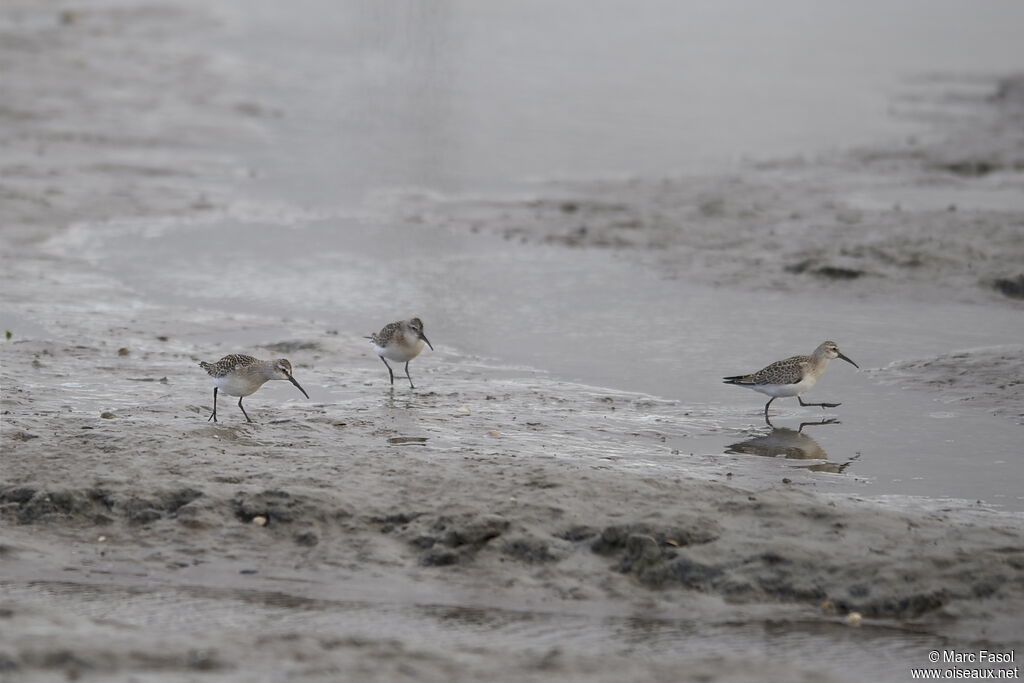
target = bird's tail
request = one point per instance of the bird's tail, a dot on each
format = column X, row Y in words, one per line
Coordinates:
column 737, row 379
column 204, row 365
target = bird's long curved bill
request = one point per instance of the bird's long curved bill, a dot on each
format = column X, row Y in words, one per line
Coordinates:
column 292, row 380
column 849, row 361
column 424, row 338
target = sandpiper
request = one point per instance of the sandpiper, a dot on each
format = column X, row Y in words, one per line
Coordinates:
column 792, row 376
column 400, row 341
column 240, row 375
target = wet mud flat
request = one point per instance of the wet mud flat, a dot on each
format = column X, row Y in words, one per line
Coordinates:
column 136, row 527
column 992, row 377
column 475, row 526
column 493, row 523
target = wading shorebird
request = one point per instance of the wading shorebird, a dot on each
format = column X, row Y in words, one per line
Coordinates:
column 239, row 375
column 400, row 341
column 792, row 376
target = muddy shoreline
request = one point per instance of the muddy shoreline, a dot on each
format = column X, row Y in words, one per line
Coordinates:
column 472, row 528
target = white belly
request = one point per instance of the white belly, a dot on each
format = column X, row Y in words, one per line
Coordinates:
column 236, row 386
column 400, row 353
column 786, row 390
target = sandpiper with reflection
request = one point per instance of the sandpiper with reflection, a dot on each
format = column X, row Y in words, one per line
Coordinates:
column 792, row 376
column 401, row 341
column 239, row 375
column 792, row 444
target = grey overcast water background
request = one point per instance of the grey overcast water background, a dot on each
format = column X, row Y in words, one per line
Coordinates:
column 464, row 96
column 479, row 99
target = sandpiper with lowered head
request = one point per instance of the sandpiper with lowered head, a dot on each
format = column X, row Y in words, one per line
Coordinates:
column 401, row 341
column 241, row 375
column 792, row 376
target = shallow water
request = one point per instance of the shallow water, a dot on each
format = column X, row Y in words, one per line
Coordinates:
column 594, row 318
column 461, row 97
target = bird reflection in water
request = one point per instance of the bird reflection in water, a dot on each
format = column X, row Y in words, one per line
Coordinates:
column 791, row 444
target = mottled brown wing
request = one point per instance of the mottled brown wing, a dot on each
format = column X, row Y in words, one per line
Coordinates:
column 788, row 371
column 386, row 333
column 228, row 364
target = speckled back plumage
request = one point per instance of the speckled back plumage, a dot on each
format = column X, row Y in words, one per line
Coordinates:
column 788, row 371
column 384, row 337
column 228, row 364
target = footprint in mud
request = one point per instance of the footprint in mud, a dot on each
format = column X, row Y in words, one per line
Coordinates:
column 235, row 435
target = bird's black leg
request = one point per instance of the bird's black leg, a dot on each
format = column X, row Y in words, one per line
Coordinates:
column 243, row 409
column 407, row 375
column 820, row 405
column 766, row 409
column 213, row 415
column 391, row 374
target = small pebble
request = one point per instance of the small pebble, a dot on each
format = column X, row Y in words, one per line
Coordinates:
column 101, row 539
column 854, row 619
column 123, row 351
column 787, row 480
column 107, row 415
column 259, row 520
column 494, row 432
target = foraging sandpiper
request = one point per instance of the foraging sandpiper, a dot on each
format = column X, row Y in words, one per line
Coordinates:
column 400, row 341
column 240, row 375
column 792, row 376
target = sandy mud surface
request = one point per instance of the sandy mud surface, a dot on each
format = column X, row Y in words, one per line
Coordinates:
column 991, row 377
column 494, row 523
